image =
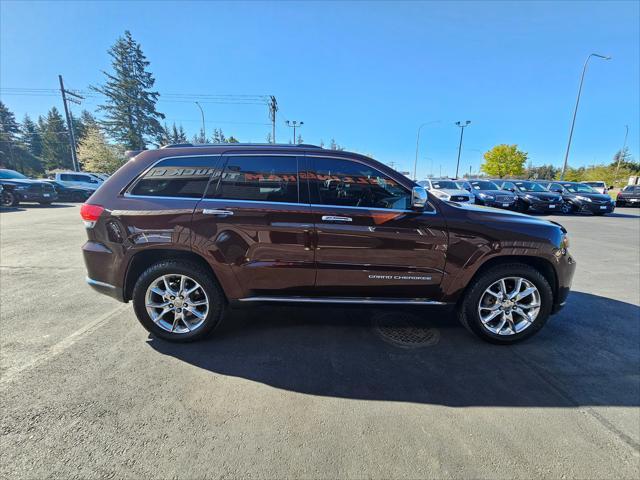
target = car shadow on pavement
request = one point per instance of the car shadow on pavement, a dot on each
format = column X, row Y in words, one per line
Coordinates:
column 586, row 355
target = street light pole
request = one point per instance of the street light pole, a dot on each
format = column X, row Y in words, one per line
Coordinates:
column 575, row 110
column 415, row 163
column 624, row 147
column 204, row 131
column 294, row 124
column 462, row 127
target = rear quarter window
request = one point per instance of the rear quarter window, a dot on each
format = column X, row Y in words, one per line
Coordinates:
column 185, row 177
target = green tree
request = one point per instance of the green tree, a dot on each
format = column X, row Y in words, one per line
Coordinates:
column 56, row 151
column 626, row 161
column 14, row 153
column 83, row 123
column 232, row 139
column 218, row 136
column 31, row 137
column 504, row 160
column 130, row 115
column 96, row 155
column 543, row 172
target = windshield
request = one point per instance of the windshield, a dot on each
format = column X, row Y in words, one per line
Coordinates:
column 631, row 188
column 578, row 188
column 529, row 187
column 483, row 185
column 594, row 184
column 10, row 174
column 444, row 184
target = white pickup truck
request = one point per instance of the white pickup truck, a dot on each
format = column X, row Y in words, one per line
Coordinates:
column 79, row 179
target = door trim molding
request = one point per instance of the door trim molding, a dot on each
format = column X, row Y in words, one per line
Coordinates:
column 354, row 300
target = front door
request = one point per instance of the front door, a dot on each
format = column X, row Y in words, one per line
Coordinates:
column 369, row 242
column 256, row 220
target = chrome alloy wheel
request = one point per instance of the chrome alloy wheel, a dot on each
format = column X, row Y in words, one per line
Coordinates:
column 177, row 303
column 509, row 306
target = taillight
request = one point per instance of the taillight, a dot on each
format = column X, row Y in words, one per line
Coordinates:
column 90, row 214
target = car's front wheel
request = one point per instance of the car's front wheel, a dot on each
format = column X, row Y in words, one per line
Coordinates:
column 178, row 301
column 9, row 199
column 507, row 304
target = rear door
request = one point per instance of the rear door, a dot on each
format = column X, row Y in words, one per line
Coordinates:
column 369, row 243
column 255, row 218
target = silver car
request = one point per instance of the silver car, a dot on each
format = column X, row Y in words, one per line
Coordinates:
column 446, row 189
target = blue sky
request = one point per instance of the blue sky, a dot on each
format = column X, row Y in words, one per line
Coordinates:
column 364, row 73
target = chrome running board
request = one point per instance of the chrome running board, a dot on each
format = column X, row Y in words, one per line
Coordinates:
column 357, row 300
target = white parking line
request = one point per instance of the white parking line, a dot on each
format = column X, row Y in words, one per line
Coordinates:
column 59, row 347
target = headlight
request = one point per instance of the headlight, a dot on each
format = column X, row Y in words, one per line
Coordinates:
column 486, row 196
column 441, row 195
column 22, row 187
column 584, row 199
column 530, row 197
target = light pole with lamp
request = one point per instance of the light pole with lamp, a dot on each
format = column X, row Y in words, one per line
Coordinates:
column 294, row 124
column 462, row 127
column 204, row 131
column 575, row 110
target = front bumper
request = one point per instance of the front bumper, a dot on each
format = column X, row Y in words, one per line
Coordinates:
column 27, row 196
column 565, row 269
column 628, row 202
column 597, row 207
column 546, row 206
column 495, row 204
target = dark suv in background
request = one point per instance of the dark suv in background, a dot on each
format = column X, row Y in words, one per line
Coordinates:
column 17, row 188
column 185, row 231
column 581, row 198
column 531, row 196
column 489, row 194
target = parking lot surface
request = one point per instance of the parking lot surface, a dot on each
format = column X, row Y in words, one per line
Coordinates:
column 313, row 392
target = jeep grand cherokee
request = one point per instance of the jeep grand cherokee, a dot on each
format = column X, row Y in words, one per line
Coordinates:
column 184, row 231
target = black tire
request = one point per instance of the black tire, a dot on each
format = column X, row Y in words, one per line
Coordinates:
column 217, row 301
column 468, row 306
column 9, row 199
column 522, row 207
column 77, row 197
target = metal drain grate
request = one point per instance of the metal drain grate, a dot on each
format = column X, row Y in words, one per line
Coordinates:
column 404, row 330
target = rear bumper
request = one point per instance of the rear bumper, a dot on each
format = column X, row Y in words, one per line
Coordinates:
column 565, row 269
column 102, row 270
column 628, row 202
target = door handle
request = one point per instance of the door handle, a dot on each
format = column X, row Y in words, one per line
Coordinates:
column 332, row 218
column 219, row 213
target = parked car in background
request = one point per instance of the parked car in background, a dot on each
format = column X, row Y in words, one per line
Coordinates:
column 70, row 194
column 600, row 187
column 447, row 190
column 487, row 193
column 302, row 224
column 20, row 188
column 99, row 176
column 78, row 179
column 629, row 196
column 532, row 196
column 581, row 198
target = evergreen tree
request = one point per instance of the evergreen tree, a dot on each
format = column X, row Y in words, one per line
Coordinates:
column 130, row 111
column 13, row 152
column 96, row 155
column 31, row 137
column 83, row 123
column 299, row 139
column 269, row 138
column 56, row 152
column 218, row 136
column 232, row 139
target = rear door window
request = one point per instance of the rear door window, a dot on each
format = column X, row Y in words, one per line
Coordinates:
column 347, row 183
column 184, row 177
column 258, row 178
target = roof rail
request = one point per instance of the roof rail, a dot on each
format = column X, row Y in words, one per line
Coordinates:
column 186, row 145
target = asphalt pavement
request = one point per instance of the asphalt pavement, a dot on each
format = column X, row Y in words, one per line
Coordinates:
column 311, row 392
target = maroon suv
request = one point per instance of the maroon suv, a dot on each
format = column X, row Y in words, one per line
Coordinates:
column 185, row 230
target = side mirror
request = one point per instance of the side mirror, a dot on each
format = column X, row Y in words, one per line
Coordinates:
column 418, row 198
column 93, row 181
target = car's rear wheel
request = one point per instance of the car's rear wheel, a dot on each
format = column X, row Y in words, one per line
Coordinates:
column 9, row 199
column 178, row 301
column 507, row 304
